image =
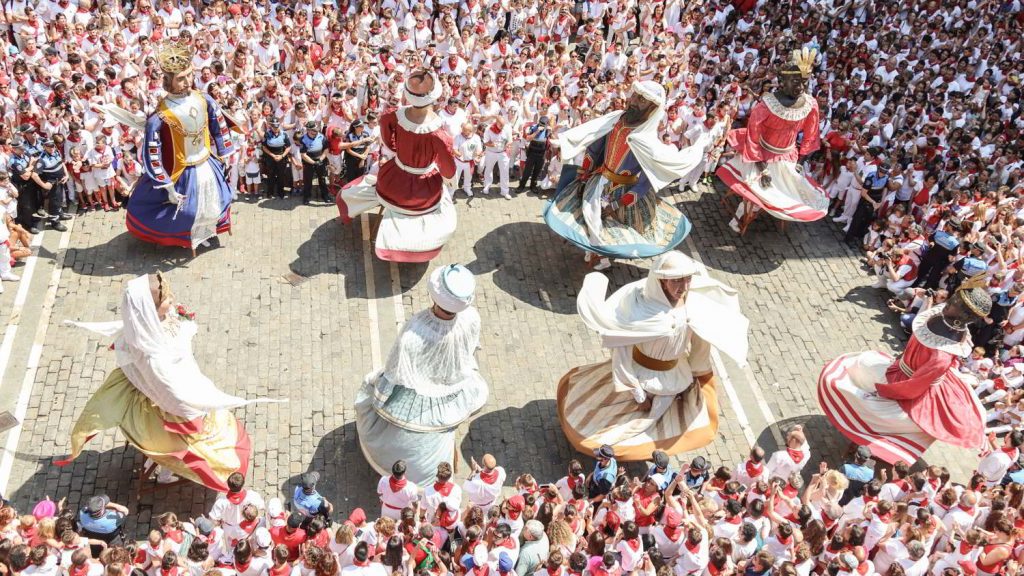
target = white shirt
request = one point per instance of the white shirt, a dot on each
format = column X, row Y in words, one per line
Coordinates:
column 392, row 502
column 432, row 498
column 781, row 464
column 481, row 493
column 231, row 514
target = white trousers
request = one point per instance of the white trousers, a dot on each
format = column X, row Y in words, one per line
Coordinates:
column 464, row 174
column 501, row 159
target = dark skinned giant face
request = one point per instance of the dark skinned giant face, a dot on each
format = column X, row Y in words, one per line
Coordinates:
column 792, row 85
column 638, row 109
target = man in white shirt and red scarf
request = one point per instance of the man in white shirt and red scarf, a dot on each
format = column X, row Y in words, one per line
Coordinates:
column 792, row 458
column 483, row 487
column 439, row 491
column 396, row 492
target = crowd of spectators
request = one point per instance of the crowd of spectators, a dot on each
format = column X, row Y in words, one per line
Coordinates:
column 753, row 517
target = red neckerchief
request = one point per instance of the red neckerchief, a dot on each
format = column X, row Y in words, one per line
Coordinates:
column 862, row 569
column 507, row 543
column 489, row 476
column 965, row 548
column 443, row 488
column 969, row 510
column 901, row 484
column 79, row 570
column 789, row 491
column 574, row 524
column 448, row 519
column 634, row 544
column 797, row 455
column 784, row 541
column 673, row 533
column 717, row 483
column 364, row 563
column 495, row 128
column 869, row 499
column 754, row 470
column 481, row 570
column 713, row 570
column 934, row 483
column 236, row 497
column 173, row 571
column 692, row 546
column 248, row 526
column 828, row 522
column 395, row 484
column 885, row 518
column 734, row 519
column 242, row 566
column 175, row 535
column 1012, row 452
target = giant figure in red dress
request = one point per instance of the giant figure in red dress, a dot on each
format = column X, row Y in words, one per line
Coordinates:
column 897, row 408
column 418, row 216
column 765, row 170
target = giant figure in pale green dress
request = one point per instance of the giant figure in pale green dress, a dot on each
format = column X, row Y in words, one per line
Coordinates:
column 429, row 385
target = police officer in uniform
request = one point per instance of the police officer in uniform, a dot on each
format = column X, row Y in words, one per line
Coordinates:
column 276, row 145
column 21, row 167
column 313, row 149
column 50, row 177
column 536, row 150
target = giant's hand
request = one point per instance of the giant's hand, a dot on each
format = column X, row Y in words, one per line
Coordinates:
column 173, row 197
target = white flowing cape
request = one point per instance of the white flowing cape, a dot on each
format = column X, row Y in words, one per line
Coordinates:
column 160, row 366
column 628, row 317
column 662, row 163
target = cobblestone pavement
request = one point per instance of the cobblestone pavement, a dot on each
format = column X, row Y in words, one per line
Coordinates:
column 295, row 306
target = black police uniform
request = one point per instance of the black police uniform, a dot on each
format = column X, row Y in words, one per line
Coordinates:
column 316, row 148
column 18, row 166
column 279, row 172
column 536, row 151
column 50, row 167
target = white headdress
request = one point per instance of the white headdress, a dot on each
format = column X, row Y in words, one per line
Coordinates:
column 651, row 91
column 674, row 264
column 451, row 287
column 421, row 100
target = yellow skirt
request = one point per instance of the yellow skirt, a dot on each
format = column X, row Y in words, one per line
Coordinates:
column 590, row 408
column 205, row 451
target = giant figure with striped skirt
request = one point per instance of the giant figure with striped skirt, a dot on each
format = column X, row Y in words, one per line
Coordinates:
column 657, row 391
column 765, row 171
column 899, row 407
column 182, row 197
column 158, row 396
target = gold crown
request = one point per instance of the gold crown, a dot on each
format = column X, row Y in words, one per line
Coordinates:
column 803, row 59
column 174, row 57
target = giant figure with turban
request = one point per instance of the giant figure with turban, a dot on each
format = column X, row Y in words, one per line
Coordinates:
column 609, row 205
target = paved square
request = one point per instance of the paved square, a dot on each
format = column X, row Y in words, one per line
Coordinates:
column 295, row 306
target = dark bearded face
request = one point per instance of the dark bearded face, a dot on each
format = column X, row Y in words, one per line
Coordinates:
column 637, row 110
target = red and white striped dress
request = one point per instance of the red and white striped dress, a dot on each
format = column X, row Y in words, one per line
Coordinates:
column 897, row 408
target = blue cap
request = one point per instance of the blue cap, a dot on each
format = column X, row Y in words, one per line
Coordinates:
column 504, row 562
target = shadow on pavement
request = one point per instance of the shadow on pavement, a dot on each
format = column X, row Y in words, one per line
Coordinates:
column 346, row 479
column 537, row 447
column 765, row 247
column 126, row 254
column 535, row 266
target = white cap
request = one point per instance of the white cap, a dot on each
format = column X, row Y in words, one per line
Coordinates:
column 651, row 91
column 480, row 555
column 261, row 537
column 674, row 264
column 451, row 287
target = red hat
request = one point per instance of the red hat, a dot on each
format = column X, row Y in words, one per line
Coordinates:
column 357, row 517
column 515, row 506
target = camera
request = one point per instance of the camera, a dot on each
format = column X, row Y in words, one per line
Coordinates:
column 929, row 293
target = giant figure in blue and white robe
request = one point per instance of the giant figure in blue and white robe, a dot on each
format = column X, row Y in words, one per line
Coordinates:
column 182, row 197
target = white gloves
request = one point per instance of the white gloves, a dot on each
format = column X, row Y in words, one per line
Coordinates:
column 173, row 197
